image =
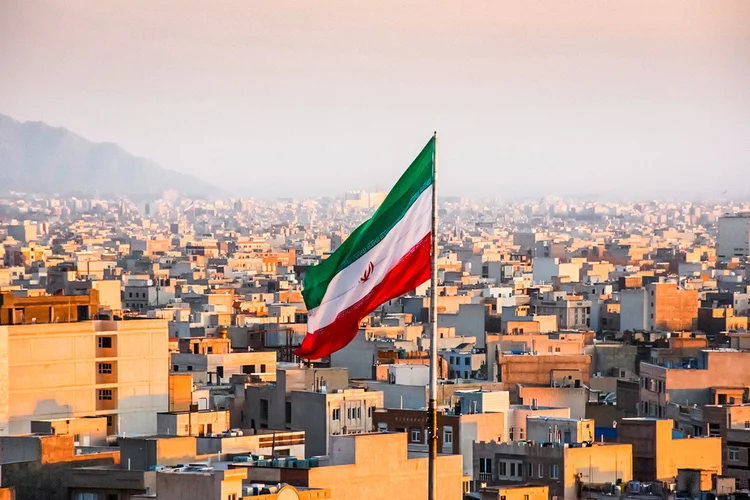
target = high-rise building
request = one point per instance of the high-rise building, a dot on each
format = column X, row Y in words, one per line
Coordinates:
column 734, row 236
column 117, row 369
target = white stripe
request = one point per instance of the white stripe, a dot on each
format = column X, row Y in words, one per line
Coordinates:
column 345, row 289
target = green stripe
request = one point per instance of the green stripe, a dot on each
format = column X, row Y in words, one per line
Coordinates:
column 415, row 180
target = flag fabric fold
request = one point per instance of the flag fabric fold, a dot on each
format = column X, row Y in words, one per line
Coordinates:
column 383, row 258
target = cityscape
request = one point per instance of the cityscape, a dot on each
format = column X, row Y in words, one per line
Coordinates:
column 485, row 250
column 586, row 349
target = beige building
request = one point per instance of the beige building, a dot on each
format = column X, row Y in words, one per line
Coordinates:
column 116, row 369
column 657, row 455
column 567, row 469
column 365, row 466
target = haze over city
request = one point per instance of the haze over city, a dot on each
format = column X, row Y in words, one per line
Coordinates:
column 601, row 99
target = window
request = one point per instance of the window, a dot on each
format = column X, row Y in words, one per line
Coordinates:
column 175, row 368
column 105, row 368
column 189, row 368
column 520, row 434
column 232, row 496
column 511, row 433
column 110, row 420
column 371, row 411
column 447, row 435
column 104, row 394
column 248, row 369
column 529, row 470
column 262, row 368
column 485, row 465
column 467, row 361
column 104, row 342
column 336, row 414
column 503, row 468
column 359, row 412
column 734, row 454
column 747, row 424
column 453, row 361
column 512, row 469
column 209, row 350
column 415, row 435
column 348, row 413
column 288, row 411
column 553, row 471
column 526, row 497
column 540, row 471
column 264, row 409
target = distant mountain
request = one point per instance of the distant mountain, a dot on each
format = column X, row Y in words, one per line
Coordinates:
column 38, row 158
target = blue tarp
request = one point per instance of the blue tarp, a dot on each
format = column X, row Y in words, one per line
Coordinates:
column 606, row 432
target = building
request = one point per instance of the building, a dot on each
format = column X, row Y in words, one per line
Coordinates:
column 456, row 431
column 353, row 471
column 210, row 361
column 567, row 470
column 36, row 466
column 658, row 454
column 514, row 492
column 25, row 232
column 704, row 380
column 317, row 401
column 670, row 308
column 48, row 308
column 116, row 369
column 734, row 236
column 572, row 312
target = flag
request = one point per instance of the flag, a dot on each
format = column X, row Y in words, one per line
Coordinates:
column 383, row 258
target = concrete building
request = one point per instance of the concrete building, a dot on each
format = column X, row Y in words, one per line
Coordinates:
column 572, row 312
column 353, row 471
column 657, row 454
column 37, row 466
column 514, row 492
column 670, row 308
column 86, row 431
column 116, row 369
column 734, row 236
column 705, row 380
column 456, row 431
column 47, row 308
column 317, row 401
column 216, row 368
column 192, row 423
column 568, row 470
column 25, row 232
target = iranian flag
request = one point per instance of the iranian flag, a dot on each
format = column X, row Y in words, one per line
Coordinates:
column 383, row 258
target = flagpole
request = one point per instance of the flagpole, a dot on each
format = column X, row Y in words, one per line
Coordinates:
column 432, row 416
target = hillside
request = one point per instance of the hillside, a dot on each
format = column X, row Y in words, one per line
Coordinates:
column 38, row 158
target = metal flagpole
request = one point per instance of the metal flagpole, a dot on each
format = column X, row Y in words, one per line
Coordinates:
column 432, row 417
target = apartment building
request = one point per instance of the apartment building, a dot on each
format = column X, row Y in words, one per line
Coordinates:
column 658, row 454
column 572, row 311
column 318, row 401
column 116, row 369
column 670, row 308
column 566, row 469
column 716, row 376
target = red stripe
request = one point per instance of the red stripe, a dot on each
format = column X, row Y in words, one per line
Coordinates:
column 411, row 271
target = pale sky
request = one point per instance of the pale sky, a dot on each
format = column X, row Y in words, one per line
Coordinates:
column 280, row 98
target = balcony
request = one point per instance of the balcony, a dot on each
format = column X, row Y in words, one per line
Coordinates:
column 485, row 477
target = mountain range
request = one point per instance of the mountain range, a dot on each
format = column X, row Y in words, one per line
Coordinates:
column 41, row 159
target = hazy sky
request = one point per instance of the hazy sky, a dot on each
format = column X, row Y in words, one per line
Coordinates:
column 315, row 97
